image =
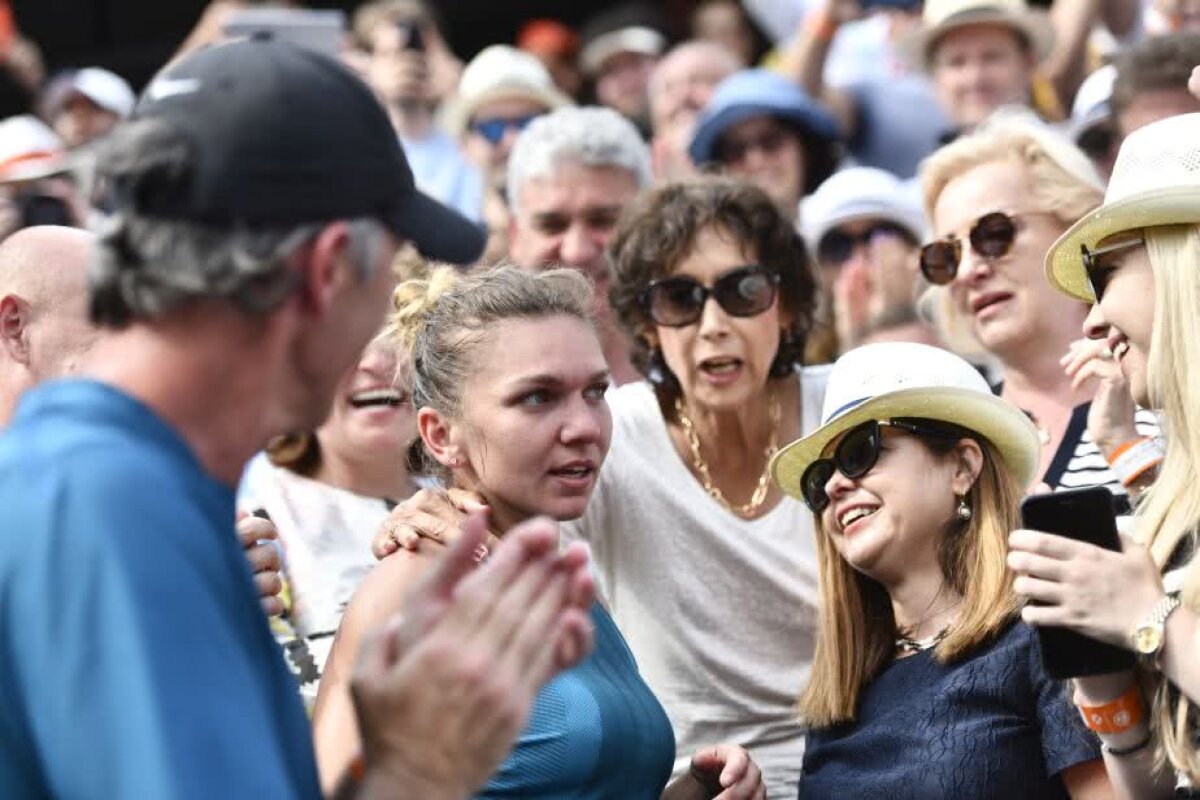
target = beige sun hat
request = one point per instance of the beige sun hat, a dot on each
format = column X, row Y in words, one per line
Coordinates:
column 501, row 72
column 1155, row 181
column 891, row 380
column 939, row 17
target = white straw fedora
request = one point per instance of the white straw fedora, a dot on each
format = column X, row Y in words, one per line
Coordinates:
column 893, row 380
column 1155, row 181
column 939, row 17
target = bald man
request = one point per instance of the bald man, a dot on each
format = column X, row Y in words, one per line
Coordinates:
column 45, row 333
column 44, row 327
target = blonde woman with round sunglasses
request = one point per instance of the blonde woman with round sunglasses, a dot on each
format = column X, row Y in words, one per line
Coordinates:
column 996, row 200
column 1135, row 258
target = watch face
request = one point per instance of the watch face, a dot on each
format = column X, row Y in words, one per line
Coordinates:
column 1147, row 639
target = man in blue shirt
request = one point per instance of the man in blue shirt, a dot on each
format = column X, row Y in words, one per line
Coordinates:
column 259, row 196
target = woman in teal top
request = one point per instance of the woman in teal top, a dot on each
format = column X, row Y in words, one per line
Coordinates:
column 509, row 380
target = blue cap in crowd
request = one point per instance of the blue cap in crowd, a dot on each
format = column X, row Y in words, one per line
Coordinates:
column 761, row 92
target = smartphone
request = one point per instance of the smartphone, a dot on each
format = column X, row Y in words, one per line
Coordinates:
column 1085, row 515
column 323, row 31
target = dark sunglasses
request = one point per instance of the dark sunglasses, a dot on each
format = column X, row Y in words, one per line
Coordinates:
column 733, row 151
column 1099, row 274
column 1097, row 142
column 991, row 236
column 857, row 453
column 494, row 129
column 742, row 292
column 836, row 247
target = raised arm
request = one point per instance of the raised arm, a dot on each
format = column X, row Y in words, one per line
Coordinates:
column 803, row 60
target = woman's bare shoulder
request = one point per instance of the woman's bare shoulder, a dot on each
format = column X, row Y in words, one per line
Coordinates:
column 385, row 588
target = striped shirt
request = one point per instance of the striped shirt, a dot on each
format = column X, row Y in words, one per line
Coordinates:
column 1079, row 463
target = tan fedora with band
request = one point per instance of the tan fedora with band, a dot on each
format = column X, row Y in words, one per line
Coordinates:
column 940, row 17
column 1155, row 181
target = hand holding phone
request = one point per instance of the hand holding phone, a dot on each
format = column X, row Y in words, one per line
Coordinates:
column 1085, row 515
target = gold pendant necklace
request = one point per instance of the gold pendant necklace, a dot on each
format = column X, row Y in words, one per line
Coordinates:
column 760, row 491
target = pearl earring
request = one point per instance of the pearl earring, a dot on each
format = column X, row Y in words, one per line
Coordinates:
column 963, row 511
column 453, row 461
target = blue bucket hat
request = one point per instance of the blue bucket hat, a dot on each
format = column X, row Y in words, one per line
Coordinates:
column 761, row 92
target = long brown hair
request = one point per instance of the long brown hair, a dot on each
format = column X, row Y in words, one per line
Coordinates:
column 856, row 630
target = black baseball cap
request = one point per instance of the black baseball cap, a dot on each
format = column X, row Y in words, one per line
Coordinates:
column 283, row 135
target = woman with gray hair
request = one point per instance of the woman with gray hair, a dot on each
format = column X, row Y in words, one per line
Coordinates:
column 996, row 201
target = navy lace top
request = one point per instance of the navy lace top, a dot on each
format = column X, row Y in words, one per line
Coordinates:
column 994, row 726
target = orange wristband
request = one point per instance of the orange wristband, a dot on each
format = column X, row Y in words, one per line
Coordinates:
column 1116, row 717
column 358, row 768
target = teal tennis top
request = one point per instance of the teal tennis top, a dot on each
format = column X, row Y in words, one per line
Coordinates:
column 595, row 731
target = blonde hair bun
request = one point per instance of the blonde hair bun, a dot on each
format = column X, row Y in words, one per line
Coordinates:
column 414, row 301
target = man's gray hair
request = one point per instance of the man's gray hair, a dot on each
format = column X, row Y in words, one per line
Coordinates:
column 147, row 265
column 588, row 135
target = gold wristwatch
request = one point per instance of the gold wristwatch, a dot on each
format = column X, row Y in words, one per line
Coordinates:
column 1148, row 636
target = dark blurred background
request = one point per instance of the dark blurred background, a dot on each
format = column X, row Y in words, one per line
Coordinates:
column 135, row 37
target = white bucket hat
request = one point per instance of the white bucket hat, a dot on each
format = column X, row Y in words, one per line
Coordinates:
column 859, row 193
column 1155, row 181
column 893, row 380
column 501, row 72
column 939, row 17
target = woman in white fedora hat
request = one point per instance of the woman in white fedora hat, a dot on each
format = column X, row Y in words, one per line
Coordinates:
column 924, row 682
column 997, row 200
column 1136, row 259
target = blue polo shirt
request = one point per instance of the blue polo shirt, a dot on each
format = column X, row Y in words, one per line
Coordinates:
column 135, row 661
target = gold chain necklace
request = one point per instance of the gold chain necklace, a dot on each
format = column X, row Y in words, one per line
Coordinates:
column 760, row 491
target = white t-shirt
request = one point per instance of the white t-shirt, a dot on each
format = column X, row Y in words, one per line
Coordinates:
column 720, row 612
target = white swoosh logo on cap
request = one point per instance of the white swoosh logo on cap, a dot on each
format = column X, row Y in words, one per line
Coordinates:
column 169, row 87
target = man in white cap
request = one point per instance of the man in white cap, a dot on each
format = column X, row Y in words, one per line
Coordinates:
column 35, row 188
column 620, row 48
column 502, row 90
column 864, row 226
column 84, row 105
column 1091, row 126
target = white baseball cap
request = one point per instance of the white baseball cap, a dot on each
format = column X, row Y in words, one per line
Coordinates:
column 106, row 89
column 29, row 150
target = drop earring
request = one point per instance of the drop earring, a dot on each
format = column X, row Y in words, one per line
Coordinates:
column 963, row 510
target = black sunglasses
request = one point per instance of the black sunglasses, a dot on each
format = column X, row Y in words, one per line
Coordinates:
column 742, row 292
column 991, row 236
column 857, row 453
column 836, row 247
column 1099, row 274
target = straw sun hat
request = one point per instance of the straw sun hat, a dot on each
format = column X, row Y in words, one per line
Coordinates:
column 893, row 380
column 940, row 17
column 1155, row 181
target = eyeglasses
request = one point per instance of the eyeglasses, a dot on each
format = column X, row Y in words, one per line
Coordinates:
column 836, row 247
column 1099, row 274
column 494, row 129
column 857, row 453
column 1097, row 142
column 742, row 292
column 733, row 151
column 991, row 236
